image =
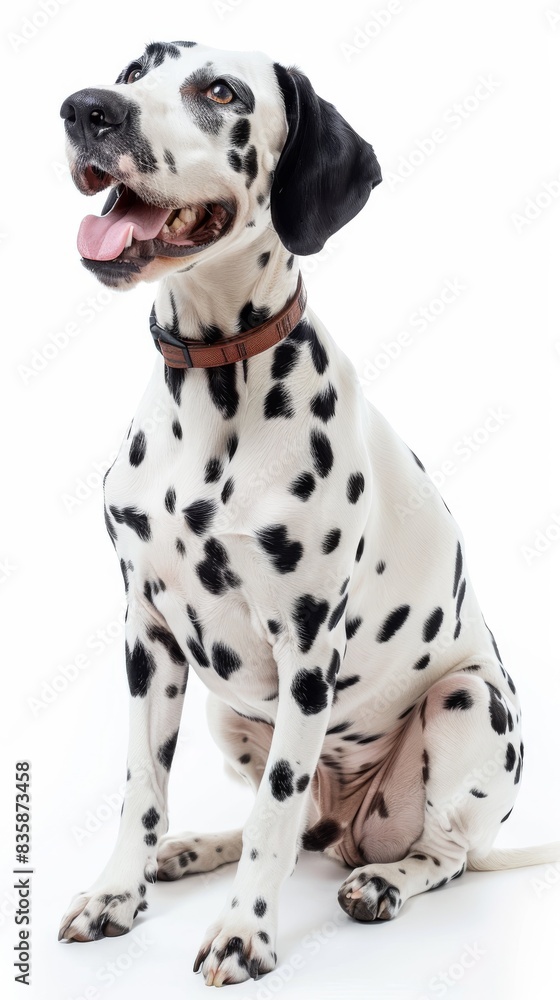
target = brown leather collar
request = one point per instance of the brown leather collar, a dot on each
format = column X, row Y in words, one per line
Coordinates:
column 196, row 354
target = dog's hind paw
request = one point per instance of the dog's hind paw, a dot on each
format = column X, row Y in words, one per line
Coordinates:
column 365, row 896
column 94, row 915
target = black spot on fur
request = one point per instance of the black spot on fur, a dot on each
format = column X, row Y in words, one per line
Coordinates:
column 378, row 805
column 498, row 714
column 322, row 835
column 174, row 378
column 198, row 652
column 167, row 751
column 140, row 667
column 172, row 690
column 227, row 490
column 195, row 622
column 234, row 160
column 334, row 667
column 331, row 540
column 507, row 815
column 277, row 403
column 321, row 453
column 417, row 460
column 254, row 854
column 224, row 660
column 302, row 783
column 432, row 625
column 308, row 615
column 260, row 907
column 245, row 758
column 352, row 626
column 250, row 165
column 150, row 818
column 239, row 135
column 137, row 449
column 393, row 622
column 460, row 597
column 310, row 691
column 281, row 779
column 458, row 568
column 478, row 794
column 170, row 500
column 150, row 839
column 380, row 568
column 360, row 549
column 177, row 430
column 134, row 519
column 251, row 316
column 213, row 470
column 285, row 554
column 284, row 359
column 222, row 389
column 156, row 52
column 110, row 527
column 323, row 404
column 263, row 259
column 169, row 159
column 337, row 613
column 347, row 682
column 124, row 572
column 511, row 757
column 159, row 634
column 355, row 487
column 303, row 486
column 426, row 767
column 460, row 699
column 214, row 571
column 199, row 514
column 232, row 445
column 518, row 772
column 304, row 333
column 422, row 663
column 273, row 626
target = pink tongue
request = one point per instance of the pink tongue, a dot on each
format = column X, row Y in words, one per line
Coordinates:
column 105, row 237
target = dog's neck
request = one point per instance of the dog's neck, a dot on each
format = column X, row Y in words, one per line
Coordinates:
column 239, row 289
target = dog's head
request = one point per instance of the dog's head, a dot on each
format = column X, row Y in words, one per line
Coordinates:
column 201, row 149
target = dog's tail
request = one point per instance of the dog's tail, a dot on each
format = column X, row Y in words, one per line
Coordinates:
column 518, row 857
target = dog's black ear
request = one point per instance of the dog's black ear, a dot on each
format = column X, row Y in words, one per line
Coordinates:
column 325, row 173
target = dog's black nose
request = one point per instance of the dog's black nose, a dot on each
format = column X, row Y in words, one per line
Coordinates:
column 93, row 113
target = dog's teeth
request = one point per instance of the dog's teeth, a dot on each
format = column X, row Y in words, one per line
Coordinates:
column 176, row 224
column 129, row 238
column 187, row 215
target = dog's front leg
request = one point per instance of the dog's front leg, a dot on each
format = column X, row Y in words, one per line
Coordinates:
column 157, row 674
column 241, row 942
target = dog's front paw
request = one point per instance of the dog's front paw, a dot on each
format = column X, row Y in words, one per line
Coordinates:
column 93, row 915
column 366, row 896
column 232, row 953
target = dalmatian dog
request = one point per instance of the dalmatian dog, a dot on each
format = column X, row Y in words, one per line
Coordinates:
column 268, row 526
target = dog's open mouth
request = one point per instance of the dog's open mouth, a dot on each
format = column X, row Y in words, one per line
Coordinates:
column 130, row 228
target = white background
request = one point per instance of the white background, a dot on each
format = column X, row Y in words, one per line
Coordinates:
column 473, row 210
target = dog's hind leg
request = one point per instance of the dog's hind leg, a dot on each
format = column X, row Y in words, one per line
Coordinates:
column 463, row 747
column 192, row 853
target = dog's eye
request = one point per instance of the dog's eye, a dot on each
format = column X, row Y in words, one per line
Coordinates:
column 220, row 92
column 134, row 73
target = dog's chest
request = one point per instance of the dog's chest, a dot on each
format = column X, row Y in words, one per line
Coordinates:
column 182, row 506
